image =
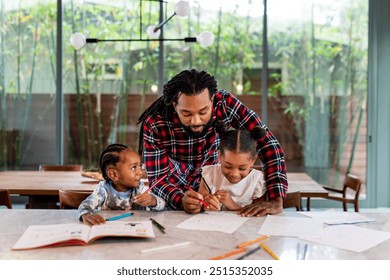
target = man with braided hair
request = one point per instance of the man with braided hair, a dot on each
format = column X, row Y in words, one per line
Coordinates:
column 179, row 136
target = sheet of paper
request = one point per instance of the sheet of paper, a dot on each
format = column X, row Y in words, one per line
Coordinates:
column 348, row 237
column 332, row 217
column 289, row 226
column 214, row 221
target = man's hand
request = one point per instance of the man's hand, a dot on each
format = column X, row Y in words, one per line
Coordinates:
column 191, row 202
column 261, row 208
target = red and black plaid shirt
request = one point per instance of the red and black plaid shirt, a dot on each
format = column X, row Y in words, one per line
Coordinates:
column 174, row 160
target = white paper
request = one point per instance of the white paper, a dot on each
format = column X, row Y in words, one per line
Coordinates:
column 353, row 238
column 214, row 221
column 332, row 217
column 289, row 226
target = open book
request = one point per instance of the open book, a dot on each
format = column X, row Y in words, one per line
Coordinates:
column 39, row 236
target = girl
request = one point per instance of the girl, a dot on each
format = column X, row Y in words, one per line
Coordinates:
column 233, row 183
column 122, row 172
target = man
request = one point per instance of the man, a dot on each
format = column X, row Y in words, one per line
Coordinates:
column 178, row 137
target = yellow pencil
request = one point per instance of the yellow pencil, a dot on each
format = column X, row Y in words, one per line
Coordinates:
column 231, row 253
column 245, row 244
column 269, row 251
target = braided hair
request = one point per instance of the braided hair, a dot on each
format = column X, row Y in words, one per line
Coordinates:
column 110, row 157
column 239, row 140
column 188, row 82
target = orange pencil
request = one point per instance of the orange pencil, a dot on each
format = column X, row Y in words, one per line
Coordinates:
column 245, row 244
column 231, row 253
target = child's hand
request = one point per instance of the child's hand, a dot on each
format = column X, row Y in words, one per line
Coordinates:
column 227, row 201
column 145, row 199
column 93, row 219
column 213, row 202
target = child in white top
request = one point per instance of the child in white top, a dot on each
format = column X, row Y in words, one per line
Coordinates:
column 233, row 183
column 121, row 189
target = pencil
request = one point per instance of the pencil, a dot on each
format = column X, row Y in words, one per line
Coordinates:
column 119, row 217
column 245, row 244
column 206, row 185
column 204, row 203
column 231, row 253
column 269, row 251
column 250, row 252
column 158, row 225
column 173, row 246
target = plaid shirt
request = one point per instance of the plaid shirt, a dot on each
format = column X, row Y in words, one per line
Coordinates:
column 174, row 160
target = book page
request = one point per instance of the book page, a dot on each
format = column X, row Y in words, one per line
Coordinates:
column 42, row 235
column 226, row 222
column 122, row 228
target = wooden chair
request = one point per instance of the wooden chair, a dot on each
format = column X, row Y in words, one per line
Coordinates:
column 293, row 199
column 50, row 201
column 5, row 199
column 351, row 184
column 47, row 167
column 71, row 199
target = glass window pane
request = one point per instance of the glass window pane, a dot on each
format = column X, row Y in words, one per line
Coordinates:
column 27, row 83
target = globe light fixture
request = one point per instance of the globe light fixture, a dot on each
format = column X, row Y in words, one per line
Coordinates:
column 182, row 8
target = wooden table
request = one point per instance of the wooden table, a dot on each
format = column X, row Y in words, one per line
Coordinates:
column 42, row 187
column 205, row 244
column 36, row 183
column 306, row 186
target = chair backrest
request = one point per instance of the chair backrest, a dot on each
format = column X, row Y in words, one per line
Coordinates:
column 47, row 167
column 71, row 199
column 293, row 199
column 5, row 199
column 352, row 182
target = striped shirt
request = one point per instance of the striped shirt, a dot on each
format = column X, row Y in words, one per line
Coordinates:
column 174, row 159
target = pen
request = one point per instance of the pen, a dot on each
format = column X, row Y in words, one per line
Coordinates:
column 231, row 253
column 158, row 225
column 304, row 251
column 269, row 251
column 119, row 217
column 166, row 247
column 245, row 244
column 250, row 252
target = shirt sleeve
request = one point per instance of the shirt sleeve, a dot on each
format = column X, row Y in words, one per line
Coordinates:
column 158, row 166
column 92, row 202
column 269, row 150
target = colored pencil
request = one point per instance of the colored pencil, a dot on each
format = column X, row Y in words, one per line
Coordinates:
column 231, row 253
column 269, row 251
column 119, row 217
column 245, row 244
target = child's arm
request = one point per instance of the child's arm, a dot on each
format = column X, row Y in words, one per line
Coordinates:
column 211, row 200
column 227, row 201
column 92, row 219
column 146, row 199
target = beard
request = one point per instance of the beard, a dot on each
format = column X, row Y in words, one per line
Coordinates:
column 193, row 134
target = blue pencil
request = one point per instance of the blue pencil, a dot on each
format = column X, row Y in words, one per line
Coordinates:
column 119, row 217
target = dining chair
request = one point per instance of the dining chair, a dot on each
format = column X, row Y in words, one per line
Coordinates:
column 48, row 167
column 348, row 194
column 71, row 199
column 50, row 201
column 293, row 199
column 5, row 199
